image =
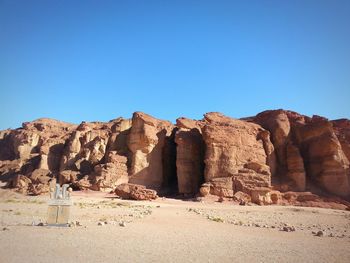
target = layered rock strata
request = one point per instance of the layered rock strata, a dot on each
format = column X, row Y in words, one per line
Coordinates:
column 263, row 159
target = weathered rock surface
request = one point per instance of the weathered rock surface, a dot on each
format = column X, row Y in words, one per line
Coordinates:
column 287, row 154
column 190, row 149
column 117, row 141
column 242, row 198
column 309, row 150
column 278, row 157
column 324, row 158
column 86, row 147
column 342, row 131
column 21, row 183
column 135, row 192
column 235, row 157
column 146, row 142
column 46, row 149
column 295, row 167
column 107, row 176
column 33, row 152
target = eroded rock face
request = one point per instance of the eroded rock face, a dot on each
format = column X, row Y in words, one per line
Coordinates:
column 235, row 157
column 57, row 149
column 52, row 136
column 273, row 157
column 230, row 144
column 111, row 174
column 295, row 167
column 342, row 131
column 222, row 186
column 309, row 150
column 86, row 147
column 325, row 161
column 118, row 139
column 189, row 156
column 146, row 142
column 278, row 124
column 21, row 183
column 31, row 151
column 6, row 146
column 288, row 164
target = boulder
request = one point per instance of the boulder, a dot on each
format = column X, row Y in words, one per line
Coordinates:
column 135, row 192
column 290, row 196
column 246, row 180
column 68, row 177
column 82, row 184
column 40, row 176
column 38, row 189
column 10, row 168
column 222, row 186
column 306, row 196
column 204, row 190
column 261, row 195
column 242, row 198
column 276, row 197
column 21, row 183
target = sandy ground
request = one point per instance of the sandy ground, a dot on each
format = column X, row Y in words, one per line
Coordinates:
column 169, row 230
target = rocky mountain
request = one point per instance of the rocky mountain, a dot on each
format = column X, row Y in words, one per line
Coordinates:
column 274, row 157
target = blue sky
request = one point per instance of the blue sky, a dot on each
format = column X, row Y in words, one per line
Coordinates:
column 97, row 60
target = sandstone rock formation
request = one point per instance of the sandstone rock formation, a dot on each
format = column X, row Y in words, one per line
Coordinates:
column 47, row 149
column 31, row 154
column 235, row 157
column 146, row 142
column 309, row 151
column 190, row 149
column 135, row 192
column 86, row 147
column 288, row 163
column 275, row 157
column 342, row 131
column 324, row 159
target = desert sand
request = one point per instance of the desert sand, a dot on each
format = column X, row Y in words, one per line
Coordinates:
column 107, row 229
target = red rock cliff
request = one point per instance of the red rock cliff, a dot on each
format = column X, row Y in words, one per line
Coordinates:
column 275, row 150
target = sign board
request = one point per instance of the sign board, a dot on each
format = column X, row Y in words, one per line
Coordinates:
column 59, row 206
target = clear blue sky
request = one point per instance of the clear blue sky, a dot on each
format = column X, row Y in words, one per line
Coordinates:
column 97, row 60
